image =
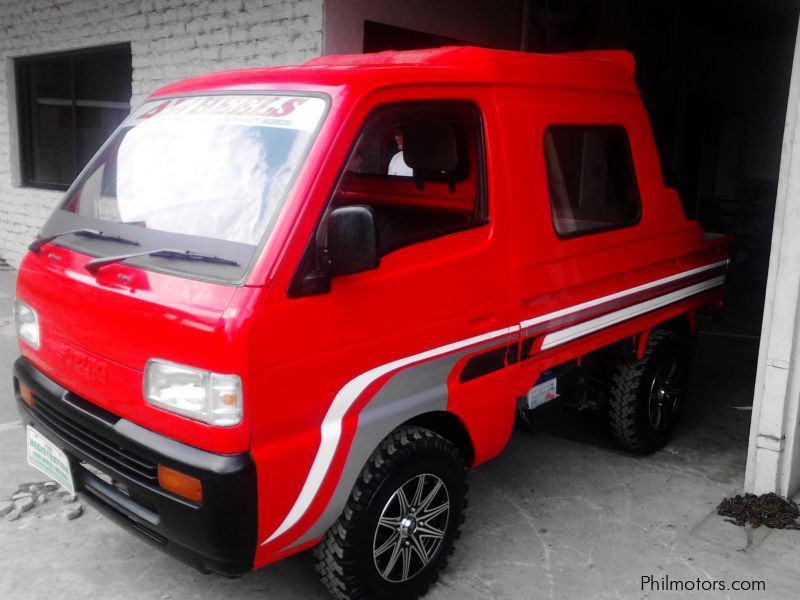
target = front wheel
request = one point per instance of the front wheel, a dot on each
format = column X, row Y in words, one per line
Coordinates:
column 647, row 395
column 401, row 520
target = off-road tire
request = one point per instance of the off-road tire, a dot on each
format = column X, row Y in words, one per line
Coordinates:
column 344, row 558
column 630, row 399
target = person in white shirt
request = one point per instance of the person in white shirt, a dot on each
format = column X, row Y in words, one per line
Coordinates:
column 398, row 166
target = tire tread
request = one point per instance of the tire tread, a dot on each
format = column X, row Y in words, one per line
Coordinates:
column 335, row 554
column 622, row 406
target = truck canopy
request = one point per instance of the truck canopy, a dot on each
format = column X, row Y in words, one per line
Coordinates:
column 608, row 70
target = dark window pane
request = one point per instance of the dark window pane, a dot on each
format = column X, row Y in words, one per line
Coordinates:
column 69, row 105
column 103, row 76
column 94, row 125
column 591, row 179
column 50, row 79
column 53, row 160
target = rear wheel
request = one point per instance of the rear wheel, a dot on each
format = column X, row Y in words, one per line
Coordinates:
column 647, row 395
column 401, row 520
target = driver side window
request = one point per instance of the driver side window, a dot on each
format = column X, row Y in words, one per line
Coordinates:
column 415, row 173
column 419, row 168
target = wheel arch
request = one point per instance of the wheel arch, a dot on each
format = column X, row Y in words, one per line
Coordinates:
column 631, row 402
column 450, row 427
column 684, row 324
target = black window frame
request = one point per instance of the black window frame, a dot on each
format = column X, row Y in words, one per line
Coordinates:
column 631, row 166
column 25, row 113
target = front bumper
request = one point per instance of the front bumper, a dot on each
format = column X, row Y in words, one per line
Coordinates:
column 114, row 464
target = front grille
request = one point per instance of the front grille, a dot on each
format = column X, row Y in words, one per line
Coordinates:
column 96, row 447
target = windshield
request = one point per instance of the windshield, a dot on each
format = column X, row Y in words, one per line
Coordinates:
column 215, row 168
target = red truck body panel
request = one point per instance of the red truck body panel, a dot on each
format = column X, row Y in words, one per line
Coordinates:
column 327, row 376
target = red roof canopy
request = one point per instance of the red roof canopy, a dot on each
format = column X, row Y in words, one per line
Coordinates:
column 608, row 70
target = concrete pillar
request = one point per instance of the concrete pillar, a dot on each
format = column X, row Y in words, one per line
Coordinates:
column 773, row 459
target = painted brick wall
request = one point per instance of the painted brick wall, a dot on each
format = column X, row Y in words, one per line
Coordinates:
column 170, row 39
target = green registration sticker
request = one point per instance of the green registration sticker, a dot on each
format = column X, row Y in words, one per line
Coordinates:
column 43, row 455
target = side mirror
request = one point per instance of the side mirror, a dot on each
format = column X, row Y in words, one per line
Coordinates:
column 352, row 240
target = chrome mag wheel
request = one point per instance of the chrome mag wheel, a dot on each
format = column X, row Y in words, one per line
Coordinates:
column 411, row 528
column 665, row 394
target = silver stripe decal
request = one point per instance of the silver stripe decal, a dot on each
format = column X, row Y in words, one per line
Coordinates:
column 572, row 333
column 332, row 423
column 646, row 286
column 331, row 428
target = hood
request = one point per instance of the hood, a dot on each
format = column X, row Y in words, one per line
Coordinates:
column 98, row 332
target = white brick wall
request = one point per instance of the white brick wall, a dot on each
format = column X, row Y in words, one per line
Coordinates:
column 170, row 39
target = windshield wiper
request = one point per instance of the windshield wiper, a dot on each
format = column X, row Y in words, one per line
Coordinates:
column 37, row 244
column 98, row 263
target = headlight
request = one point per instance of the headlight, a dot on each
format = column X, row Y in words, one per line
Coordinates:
column 202, row 395
column 27, row 323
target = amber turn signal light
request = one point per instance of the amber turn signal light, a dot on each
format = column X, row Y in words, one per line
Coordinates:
column 26, row 394
column 180, row 484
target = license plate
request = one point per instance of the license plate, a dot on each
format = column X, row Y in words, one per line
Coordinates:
column 544, row 390
column 50, row 460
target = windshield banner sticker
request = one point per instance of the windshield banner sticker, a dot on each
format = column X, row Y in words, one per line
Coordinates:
column 289, row 112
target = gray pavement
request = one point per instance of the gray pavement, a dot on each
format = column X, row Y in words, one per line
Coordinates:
column 562, row 513
column 8, row 344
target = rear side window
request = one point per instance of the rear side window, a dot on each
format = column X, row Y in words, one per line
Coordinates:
column 591, row 179
column 419, row 167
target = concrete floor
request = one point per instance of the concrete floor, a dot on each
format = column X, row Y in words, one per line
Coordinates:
column 562, row 513
column 8, row 343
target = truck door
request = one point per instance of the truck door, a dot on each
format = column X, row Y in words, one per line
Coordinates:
column 388, row 343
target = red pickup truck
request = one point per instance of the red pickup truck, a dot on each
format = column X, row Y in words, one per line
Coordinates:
column 289, row 308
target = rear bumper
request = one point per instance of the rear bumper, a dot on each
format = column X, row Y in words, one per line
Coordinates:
column 114, row 463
